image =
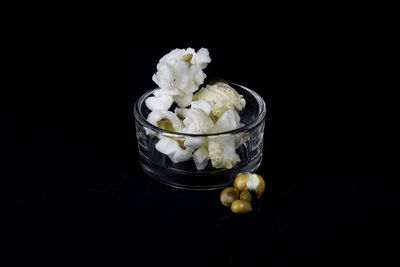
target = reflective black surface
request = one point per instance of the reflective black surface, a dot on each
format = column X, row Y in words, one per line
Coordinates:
column 74, row 191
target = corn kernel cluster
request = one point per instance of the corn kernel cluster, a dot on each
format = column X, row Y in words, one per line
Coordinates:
column 239, row 197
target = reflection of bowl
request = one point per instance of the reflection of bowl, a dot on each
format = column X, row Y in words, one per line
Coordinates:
column 184, row 174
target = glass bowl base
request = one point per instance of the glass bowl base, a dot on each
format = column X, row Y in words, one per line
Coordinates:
column 198, row 181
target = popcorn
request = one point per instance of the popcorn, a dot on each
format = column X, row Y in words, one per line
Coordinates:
column 162, row 102
column 229, row 120
column 253, row 181
column 225, row 98
column 241, row 138
column 213, row 109
column 205, row 105
column 166, row 120
column 180, row 73
column 222, row 151
column 193, row 142
column 196, row 121
column 201, row 157
column 172, row 148
column 222, row 148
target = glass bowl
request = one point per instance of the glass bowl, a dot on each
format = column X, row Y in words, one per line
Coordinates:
column 184, row 175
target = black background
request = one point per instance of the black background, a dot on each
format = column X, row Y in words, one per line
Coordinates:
column 75, row 193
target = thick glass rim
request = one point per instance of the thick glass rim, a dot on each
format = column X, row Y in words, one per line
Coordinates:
column 259, row 119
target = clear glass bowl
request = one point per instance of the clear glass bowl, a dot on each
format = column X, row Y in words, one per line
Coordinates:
column 184, row 174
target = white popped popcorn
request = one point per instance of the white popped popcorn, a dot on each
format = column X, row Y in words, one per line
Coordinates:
column 203, row 104
column 222, row 151
column 253, row 181
column 166, row 120
column 162, row 102
column 193, row 142
column 172, row 148
column 201, row 157
column 195, row 121
column 213, row 109
column 180, row 73
column 224, row 96
column 228, row 121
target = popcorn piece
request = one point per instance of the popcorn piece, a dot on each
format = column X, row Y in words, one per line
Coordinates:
column 162, row 102
column 221, row 151
column 183, row 100
column 253, row 181
column 180, row 156
column 180, row 73
column 195, row 120
column 225, row 98
column 193, row 142
column 160, row 92
column 171, row 148
column 241, row 138
column 222, row 148
column 205, row 105
column 166, row 120
column 229, row 120
column 201, row 157
column 213, row 109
